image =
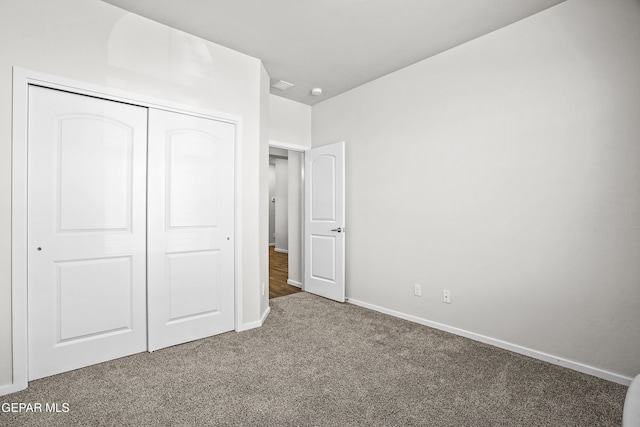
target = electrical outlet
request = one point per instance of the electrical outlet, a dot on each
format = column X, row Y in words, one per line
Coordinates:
column 446, row 296
column 417, row 290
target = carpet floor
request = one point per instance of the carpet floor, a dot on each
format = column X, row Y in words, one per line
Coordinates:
column 319, row 363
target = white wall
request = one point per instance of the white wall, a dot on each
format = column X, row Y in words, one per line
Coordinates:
column 295, row 217
column 282, row 205
column 290, row 121
column 506, row 170
column 263, row 193
column 272, row 205
column 94, row 42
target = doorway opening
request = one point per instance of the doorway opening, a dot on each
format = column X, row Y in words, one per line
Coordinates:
column 312, row 232
column 285, row 221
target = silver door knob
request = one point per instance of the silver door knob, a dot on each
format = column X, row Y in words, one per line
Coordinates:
column 339, row 229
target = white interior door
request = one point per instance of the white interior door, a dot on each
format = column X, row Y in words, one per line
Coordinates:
column 190, row 228
column 86, row 238
column 325, row 221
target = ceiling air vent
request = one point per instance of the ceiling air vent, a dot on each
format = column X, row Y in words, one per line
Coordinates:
column 282, row 85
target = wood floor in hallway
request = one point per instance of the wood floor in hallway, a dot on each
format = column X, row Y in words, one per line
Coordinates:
column 278, row 275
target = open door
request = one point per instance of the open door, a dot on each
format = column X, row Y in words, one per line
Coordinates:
column 324, row 234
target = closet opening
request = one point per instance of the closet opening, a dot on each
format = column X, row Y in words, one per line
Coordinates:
column 98, row 204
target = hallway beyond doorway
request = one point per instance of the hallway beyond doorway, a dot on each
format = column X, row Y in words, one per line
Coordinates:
column 278, row 274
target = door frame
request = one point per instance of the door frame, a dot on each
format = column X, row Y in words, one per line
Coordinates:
column 299, row 149
column 22, row 79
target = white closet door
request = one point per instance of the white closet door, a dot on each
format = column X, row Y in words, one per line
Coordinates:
column 86, row 240
column 191, row 228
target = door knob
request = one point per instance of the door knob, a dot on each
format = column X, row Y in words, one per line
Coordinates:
column 339, row 229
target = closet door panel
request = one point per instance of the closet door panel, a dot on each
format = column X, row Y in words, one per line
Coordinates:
column 87, row 230
column 191, row 228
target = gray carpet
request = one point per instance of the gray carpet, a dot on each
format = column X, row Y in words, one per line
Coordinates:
column 320, row 363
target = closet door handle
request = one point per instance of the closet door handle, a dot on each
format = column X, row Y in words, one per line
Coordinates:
column 339, row 229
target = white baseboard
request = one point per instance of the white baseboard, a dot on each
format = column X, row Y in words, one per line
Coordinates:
column 284, row 251
column 272, row 244
column 265, row 315
column 11, row 388
column 294, row 283
column 256, row 324
column 576, row 366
